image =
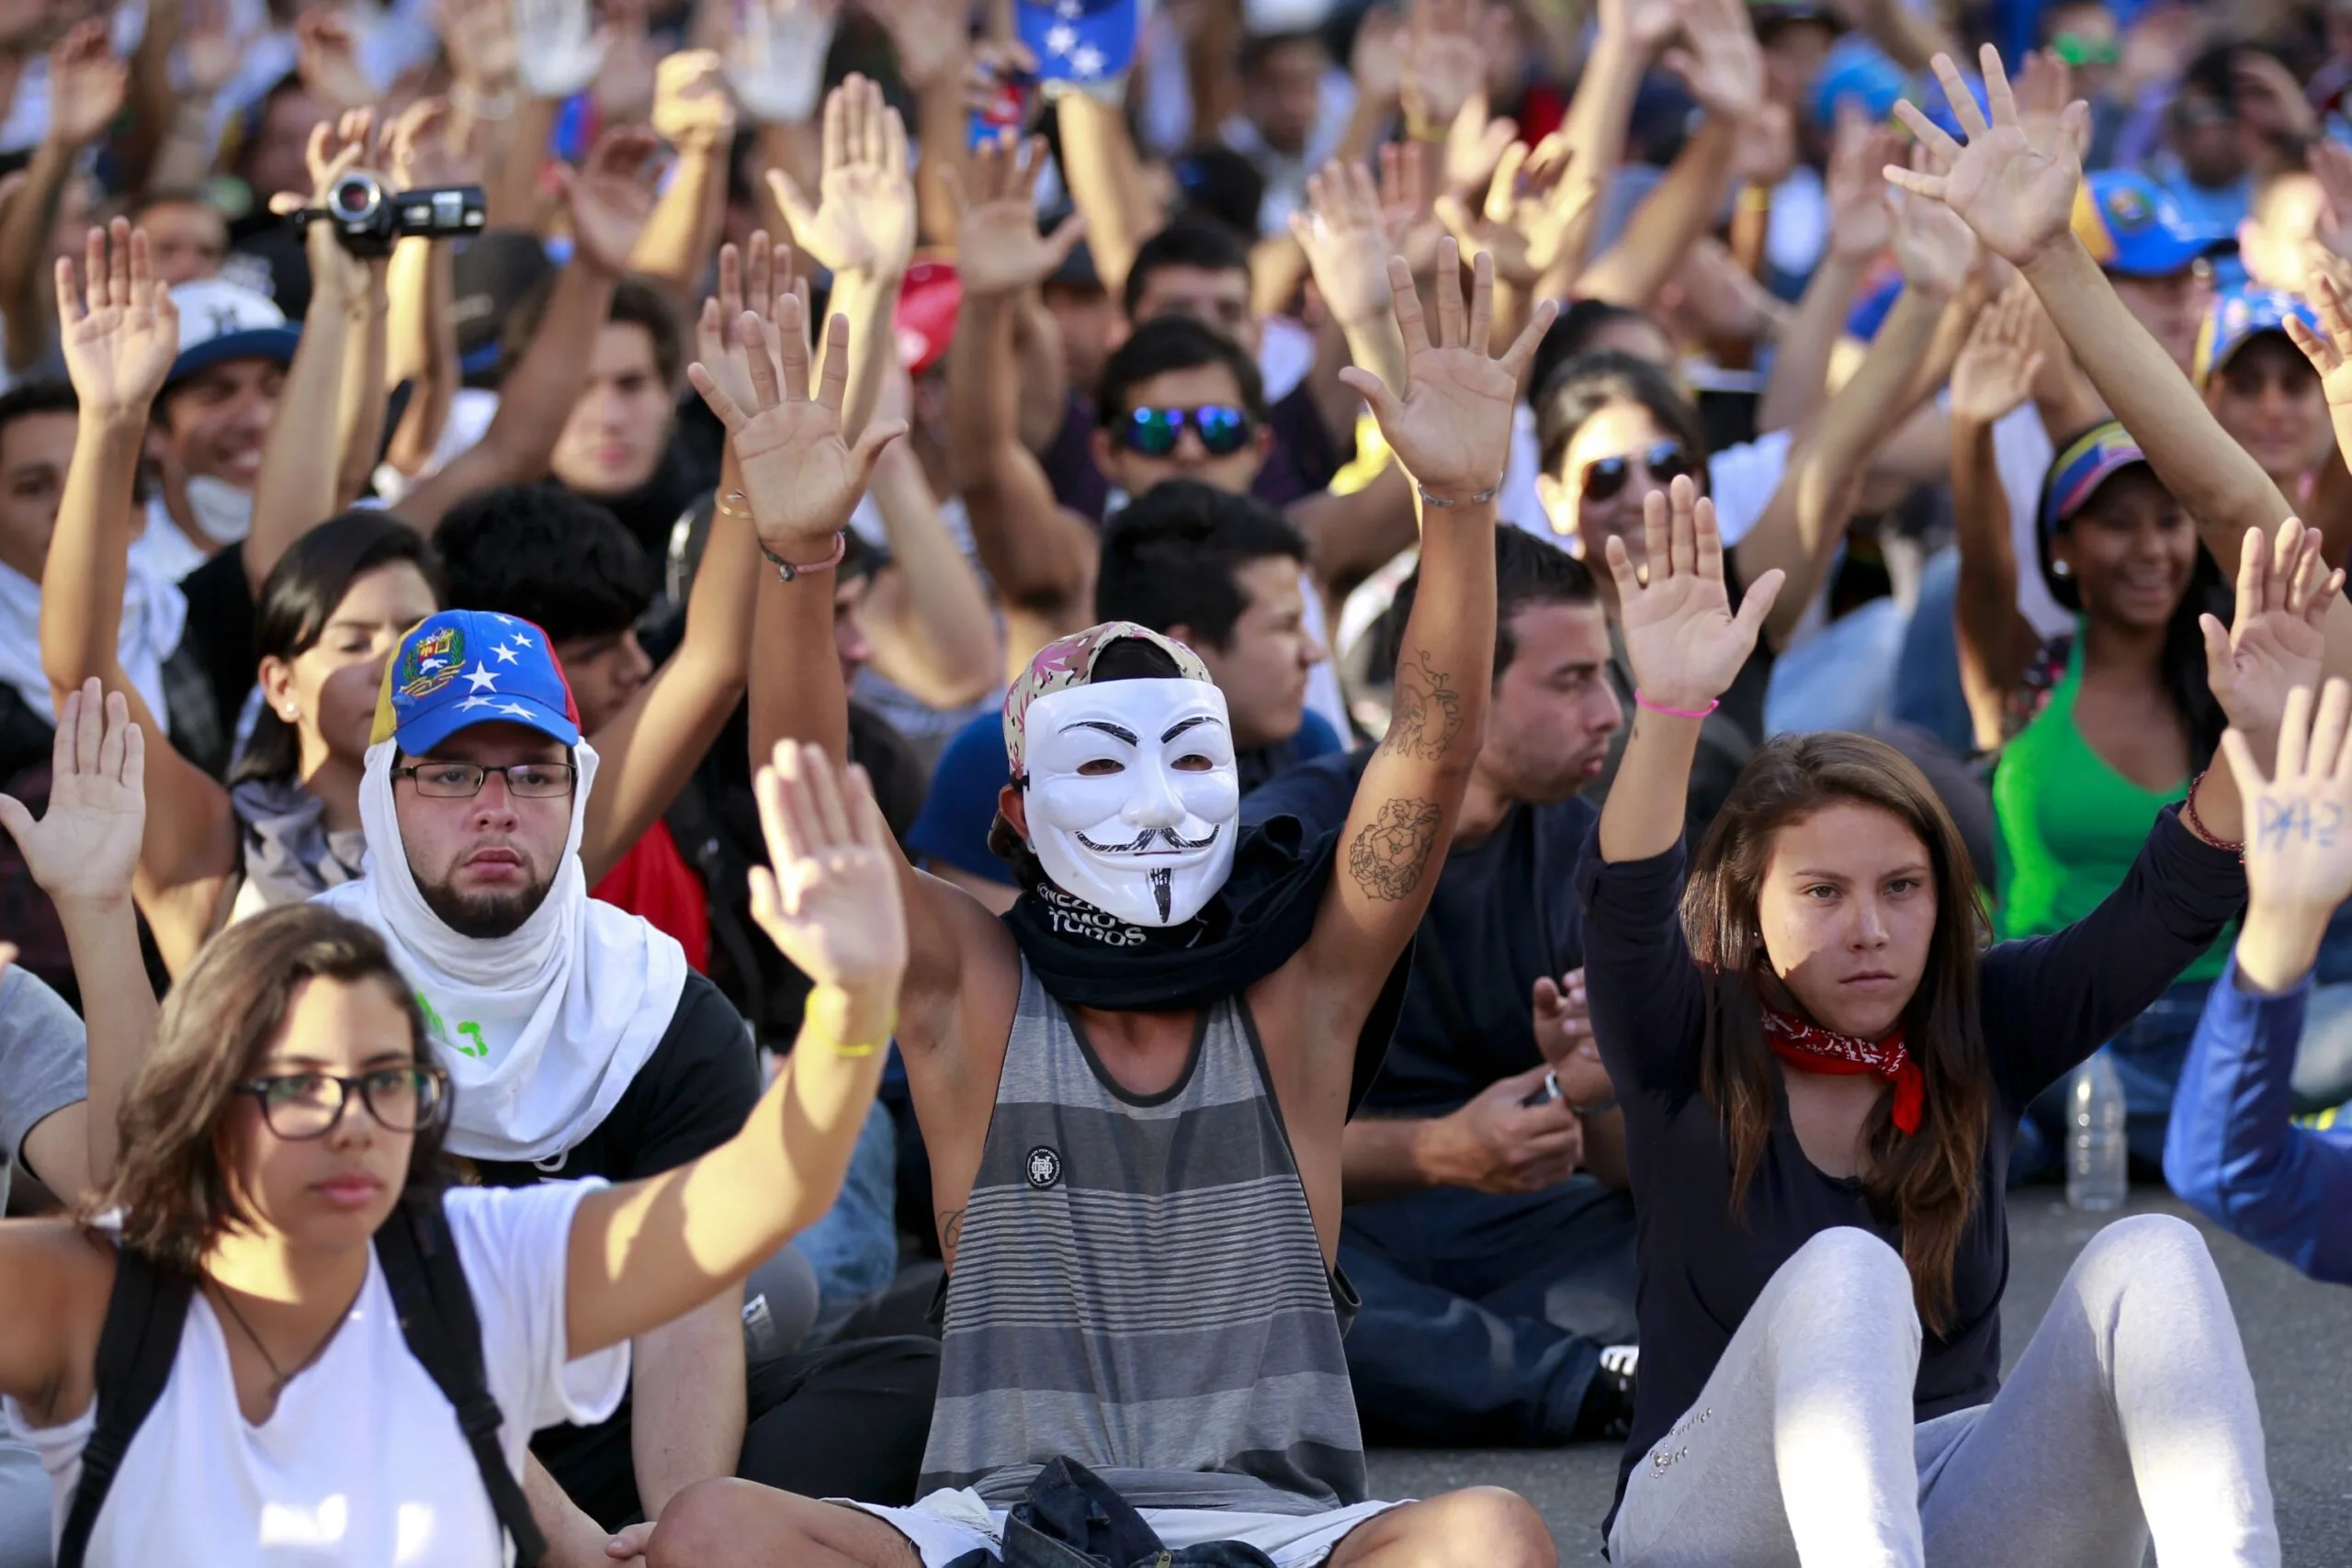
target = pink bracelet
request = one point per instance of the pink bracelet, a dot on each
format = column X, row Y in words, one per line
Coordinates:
column 1641, row 701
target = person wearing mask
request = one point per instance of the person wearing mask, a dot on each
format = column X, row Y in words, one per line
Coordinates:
column 1212, row 570
column 1485, row 1226
column 1819, row 1070
column 289, row 1118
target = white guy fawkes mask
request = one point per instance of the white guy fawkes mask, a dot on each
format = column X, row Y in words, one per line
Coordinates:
column 1132, row 795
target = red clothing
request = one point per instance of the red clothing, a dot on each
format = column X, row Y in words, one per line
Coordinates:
column 653, row 880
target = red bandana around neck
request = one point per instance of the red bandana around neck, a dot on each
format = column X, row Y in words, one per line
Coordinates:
column 1809, row 1048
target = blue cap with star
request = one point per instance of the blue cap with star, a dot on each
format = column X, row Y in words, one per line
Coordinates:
column 1086, row 42
column 460, row 668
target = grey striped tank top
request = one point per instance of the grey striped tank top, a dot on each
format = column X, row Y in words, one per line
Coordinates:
column 1139, row 1287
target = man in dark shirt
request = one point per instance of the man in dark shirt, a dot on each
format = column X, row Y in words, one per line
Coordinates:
column 1216, row 571
column 1494, row 1269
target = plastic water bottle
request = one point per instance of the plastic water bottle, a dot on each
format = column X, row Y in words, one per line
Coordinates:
column 2097, row 1172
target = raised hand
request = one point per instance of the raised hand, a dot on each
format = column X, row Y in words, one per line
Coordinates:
column 1405, row 208
column 776, row 64
column 800, row 479
column 209, row 47
column 831, row 902
column 759, row 281
column 1450, row 427
column 865, row 217
column 1444, row 62
column 691, row 107
column 2298, row 818
column 2274, row 641
column 1861, row 221
column 120, row 337
column 2044, row 87
column 86, row 848
column 1522, row 223
column 1377, row 60
column 418, row 149
column 1643, row 24
column 480, row 37
column 1474, row 145
column 1346, row 242
column 1933, row 247
column 559, row 50
column 86, row 84
column 2019, row 198
column 1684, row 643
column 1723, row 65
column 997, row 248
column 1996, row 367
column 2330, row 166
column 628, row 80
column 931, row 39
column 2327, row 354
column 327, row 57
column 611, row 196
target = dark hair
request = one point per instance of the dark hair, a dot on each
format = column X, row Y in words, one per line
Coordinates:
column 542, row 553
column 1219, row 185
column 1528, row 572
column 1927, row 1181
column 49, row 395
column 2181, row 660
column 1572, row 332
column 1257, row 48
column 1171, row 557
column 140, row 203
column 1174, row 343
column 1207, row 247
column 636, row 302
column 300, row 597
column 1590, row 382
column 2214, row 74
column 176, row 1198
column 1126, row 658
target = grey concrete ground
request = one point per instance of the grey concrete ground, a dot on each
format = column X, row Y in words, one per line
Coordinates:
column 2298, row 1340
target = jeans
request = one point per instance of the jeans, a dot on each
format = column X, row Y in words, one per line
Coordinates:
column 2148, row 1054
column 1927, row 673
column 2129, row 1417
column 1483, row 1314
column 1841, row 677
column 855, row 1248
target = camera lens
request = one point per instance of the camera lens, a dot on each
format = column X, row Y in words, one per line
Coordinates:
column 355, row 195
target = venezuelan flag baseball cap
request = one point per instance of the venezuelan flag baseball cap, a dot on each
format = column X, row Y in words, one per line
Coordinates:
column 2133, row 229
column 2237, row 316
column 460, row 668
column 2089, row 461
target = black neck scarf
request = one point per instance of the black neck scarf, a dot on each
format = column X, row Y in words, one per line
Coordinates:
column 1254, row 925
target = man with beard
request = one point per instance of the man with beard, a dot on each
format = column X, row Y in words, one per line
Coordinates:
column 1133, row 1085
column 580, row 1044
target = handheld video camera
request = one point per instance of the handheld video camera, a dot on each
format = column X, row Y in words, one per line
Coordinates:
column 370, row 220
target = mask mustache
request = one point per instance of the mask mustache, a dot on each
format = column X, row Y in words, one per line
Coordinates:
column 1143, row 842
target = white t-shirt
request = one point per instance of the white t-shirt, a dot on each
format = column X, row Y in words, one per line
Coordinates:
column 362, row 1461
column 2021, row 454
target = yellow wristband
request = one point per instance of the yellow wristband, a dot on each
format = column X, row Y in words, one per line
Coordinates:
column 829, row 1012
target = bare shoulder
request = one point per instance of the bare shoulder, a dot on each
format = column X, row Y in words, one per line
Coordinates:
column 56, row 1279
column 965, row 972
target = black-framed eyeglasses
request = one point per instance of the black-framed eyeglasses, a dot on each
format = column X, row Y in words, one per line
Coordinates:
column 1223, row 429
column 302, row 1106
column 1604, row 477
column 463, row 780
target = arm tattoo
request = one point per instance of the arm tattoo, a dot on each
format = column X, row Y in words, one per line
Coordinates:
column 1425, row 712
column 951, row 1231
column 1390, row 855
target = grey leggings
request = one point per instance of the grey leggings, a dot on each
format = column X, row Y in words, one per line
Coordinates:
column 2131, row 1417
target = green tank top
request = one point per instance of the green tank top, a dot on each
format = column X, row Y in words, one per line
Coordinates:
column 2068, row 825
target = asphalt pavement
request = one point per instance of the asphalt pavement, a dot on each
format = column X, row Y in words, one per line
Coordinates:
column 2298, row 1341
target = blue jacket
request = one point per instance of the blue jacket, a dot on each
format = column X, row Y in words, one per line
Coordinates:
column 2234, row 1152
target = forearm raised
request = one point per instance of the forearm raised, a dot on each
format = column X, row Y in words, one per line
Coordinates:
column 88, row 566
column 118, row 1008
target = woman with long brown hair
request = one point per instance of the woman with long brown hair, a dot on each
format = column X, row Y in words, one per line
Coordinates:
column 279, row 1144
column 1820, row 1073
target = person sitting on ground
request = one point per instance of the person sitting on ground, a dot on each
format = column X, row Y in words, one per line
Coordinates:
column 285, row 1135
column 580, row 1042
column 1485, row 1226
column 2234, row 1152
column 1817, row 1067
column 1139, row 1079
column 1215, row 571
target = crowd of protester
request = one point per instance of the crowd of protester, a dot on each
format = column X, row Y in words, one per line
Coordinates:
column 927, row 784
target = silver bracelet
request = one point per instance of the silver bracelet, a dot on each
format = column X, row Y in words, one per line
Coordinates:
column 1438, row 501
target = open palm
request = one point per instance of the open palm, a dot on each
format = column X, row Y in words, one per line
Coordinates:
column 1452, row 427
column 87, row 846
column 1681, row 637
column 121, row 336
column 2275, row 640
column 2327, row 353
column 997, row 248
column 865, row 216
column 831, row 904
column 2298, row 819
column 2018, row 199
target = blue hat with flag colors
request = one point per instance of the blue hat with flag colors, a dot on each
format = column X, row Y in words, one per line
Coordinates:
column 2133, row 229
column 2089, row 461
column 1091, row 43
column 2239, row 314
column 461, row 668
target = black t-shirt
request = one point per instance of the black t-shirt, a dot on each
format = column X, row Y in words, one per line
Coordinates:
column 1504, row 915
column 693, row 1093
column 219, row 633
column 2046, row 1005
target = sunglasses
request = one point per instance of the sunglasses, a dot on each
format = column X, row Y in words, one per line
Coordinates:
column 1223, row 429
column 1606, row 477
column 2078, row 49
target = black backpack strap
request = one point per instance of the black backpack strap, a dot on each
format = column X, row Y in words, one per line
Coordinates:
column 436, row 1313
column 136, row 1349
